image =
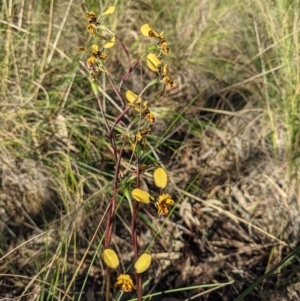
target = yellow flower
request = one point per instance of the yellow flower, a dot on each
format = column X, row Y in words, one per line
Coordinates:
column 143, row 263
column 141, row 195
column 144, row 108
column 92, row 65
column 142, row 134
column 140, row 106
column 91, row 15
column 161, row 205
column 164, row 200
column 110, row 43
column 133, row 146
column 167, row 81
column 94, row 52
column 94, row 62
column 162, row 209
column 81, row 49
column 160, row 177
column 91, row 28
column 95, row 49
column 147, row 31
column 140, row 138
column 109, row 11
column 150, row 117
column 126, row 283
column 97, row 53
column 132, row 97
column 110, row 258
column 163, row 45
column 91, row 61
column 165, row 77
column 161, row 181
column 153, row 62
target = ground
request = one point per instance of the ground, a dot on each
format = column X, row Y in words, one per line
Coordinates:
column 226, row 133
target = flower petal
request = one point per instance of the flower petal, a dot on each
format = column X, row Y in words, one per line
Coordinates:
column 150, row 117
column 131, row 97
column 110, row 258
column 153, row 62
column 90, row 15
column 109, row 11
column 126, row 282
column 162, row 209
column 143, row 263
column 110, row 43
column 145, row 29
column 164, row 47
column 167, row 81
column 160, row 177
column 141, row 195
column 95, row 49
column 81, row 49
column 91, row 28
column 165, row 198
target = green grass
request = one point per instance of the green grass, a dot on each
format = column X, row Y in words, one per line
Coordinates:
column 227, row 58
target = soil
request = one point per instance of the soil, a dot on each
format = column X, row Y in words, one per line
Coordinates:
column 236, row 216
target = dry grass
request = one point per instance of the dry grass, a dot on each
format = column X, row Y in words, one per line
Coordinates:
column 228, row 136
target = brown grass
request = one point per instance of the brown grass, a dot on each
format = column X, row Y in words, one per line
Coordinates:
column 222, row 138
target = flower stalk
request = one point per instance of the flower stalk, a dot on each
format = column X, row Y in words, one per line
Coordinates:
column 138, row 129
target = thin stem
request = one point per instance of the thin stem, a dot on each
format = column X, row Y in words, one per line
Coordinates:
column 133, row 230
column 125, row 50
column 131, row 68
column 116, row 91
column 107, row 288
column 134, row 234
column 109, row 224
column 111, row 138
column 134, row 215
column 118, row 119
column 113, row 202
column 139, row 287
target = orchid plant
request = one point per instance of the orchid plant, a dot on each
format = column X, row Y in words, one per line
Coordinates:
column 98, row 62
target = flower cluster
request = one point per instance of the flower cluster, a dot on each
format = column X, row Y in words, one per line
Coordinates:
column 147, row 31
column 93, row 23
column 124, row 280
column 139, row 128
column 96, row 57
column 164, row 199
column 141, row 107
column 154, row 61
column 95, row 60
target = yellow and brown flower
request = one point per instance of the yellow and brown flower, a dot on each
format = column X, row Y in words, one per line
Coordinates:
column 126, row 283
